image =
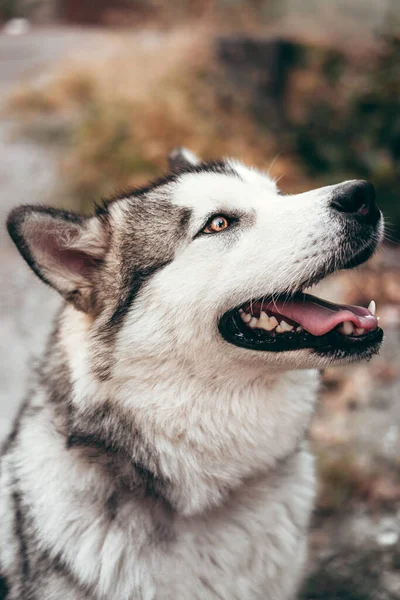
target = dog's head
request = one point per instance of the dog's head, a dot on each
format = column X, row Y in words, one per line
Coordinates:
column 208, row 265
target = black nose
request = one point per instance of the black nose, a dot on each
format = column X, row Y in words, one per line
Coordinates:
column 357, row 198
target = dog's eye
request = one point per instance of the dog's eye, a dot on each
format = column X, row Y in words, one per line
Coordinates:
column 216, row 224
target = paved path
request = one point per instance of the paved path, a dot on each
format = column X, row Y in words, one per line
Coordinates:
column 28, row 174
column 37, row 54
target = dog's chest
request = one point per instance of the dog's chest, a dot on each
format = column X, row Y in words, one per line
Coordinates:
column 242, row 550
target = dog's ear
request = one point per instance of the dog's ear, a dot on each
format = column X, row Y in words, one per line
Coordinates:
column 181, row 158
column 64, row 249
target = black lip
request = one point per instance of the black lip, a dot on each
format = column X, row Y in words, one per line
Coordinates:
column 234, row 331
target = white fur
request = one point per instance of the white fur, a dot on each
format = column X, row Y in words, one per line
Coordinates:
column 227, row 423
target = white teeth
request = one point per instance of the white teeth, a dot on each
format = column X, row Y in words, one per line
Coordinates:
column 267, row 323
column 347, row 328
column 263, row 320
column 372, row 307
column 272, row 323
column 359, row 331
column 285, row 326
column 246, row 317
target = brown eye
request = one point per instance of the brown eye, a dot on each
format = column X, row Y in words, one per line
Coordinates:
column 216, row 225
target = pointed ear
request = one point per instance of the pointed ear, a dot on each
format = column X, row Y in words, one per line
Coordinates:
column 181, row 158
column 64, row 249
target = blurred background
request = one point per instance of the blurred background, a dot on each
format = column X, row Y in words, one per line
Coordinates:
column 93, row 96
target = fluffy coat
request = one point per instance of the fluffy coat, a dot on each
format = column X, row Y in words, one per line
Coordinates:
column 152, row 460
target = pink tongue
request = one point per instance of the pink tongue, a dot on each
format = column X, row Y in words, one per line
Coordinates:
column 318, row 316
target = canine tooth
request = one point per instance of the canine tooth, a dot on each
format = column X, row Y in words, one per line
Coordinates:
column 285, row 326
column 347, row 328
column 372, row 307
column 359, row 331
column 246, row 317
column 253, row 323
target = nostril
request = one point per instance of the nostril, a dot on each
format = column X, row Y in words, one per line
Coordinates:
column 356, row 198
column 363, row 210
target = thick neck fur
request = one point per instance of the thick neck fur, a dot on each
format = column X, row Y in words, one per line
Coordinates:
column 173, row 433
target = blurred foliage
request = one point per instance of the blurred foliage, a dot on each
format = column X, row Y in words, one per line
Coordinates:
column 336, row 111
column 334, row 115
column 106, row 153
column 8, row 9
column 351, row 125
column 112, row 141
column 131, row 13
column 342, row 478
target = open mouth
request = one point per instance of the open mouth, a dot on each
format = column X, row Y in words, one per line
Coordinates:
column 300, row 321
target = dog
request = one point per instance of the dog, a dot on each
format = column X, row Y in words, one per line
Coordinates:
column 161, row 454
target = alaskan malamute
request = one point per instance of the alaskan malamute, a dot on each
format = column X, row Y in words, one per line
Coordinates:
column 161, row 454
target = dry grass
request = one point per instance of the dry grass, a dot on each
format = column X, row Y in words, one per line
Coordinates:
column 68, row 91
column 31, row 100
column 129, row 108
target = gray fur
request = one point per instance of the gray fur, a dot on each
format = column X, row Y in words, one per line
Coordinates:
column 181, row 158
column 151, row 460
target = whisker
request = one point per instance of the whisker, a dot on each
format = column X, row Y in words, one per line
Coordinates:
column 272, row 163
